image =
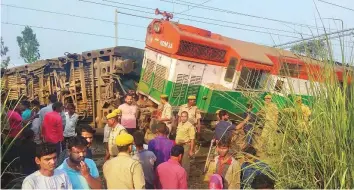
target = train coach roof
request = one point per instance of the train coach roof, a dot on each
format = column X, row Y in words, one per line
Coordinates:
column 255, row 52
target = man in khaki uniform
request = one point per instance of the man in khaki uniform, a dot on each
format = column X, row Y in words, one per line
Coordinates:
column 193, row 112
column 186, row 137
column 123, row 172
column 116, row 129
column 303, row 116
column 268, row 138
column 166, row 114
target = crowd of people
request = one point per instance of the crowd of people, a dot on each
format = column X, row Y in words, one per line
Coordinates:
column 137, row 155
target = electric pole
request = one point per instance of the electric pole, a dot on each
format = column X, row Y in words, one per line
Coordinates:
column 116, row 26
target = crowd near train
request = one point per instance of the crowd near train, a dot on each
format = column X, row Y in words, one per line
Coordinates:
column 189, row 75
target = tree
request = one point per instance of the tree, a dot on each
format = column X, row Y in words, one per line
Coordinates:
column 28, row 45
column 313, row 48
column 4, row 61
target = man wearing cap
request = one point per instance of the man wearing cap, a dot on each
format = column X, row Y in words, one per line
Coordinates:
column 116, row 129
column 303, row 116
column 166, row 113
column 123, row 172
column 269, row 112
column 193, row 112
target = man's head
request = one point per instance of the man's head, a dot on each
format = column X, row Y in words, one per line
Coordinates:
column 58, row 107
column 113, row 118
column 161, row 128
column 24, row 105
column 87, row 132
column 223, row 146
column 164, row 98
column 268, row 99
column 298, row 100
column 250, row 153
column 262, row 181
column 46, row 156
column 77, row 149
column 128, row 99
column 224, row 115
column 35, row 104
column 138, row 139
column 28, row 134
column 191, row 100
column 177, row 152
column 53, row 98
column 70, row 107
column 124, row 142
column 184, row 116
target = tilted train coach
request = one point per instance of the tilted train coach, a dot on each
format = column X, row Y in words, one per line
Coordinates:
column 90, row 80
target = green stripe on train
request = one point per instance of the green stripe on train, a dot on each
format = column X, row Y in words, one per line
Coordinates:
column 210, row 100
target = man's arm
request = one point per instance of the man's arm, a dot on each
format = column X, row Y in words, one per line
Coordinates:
column 168, row 115
column 236, row 176
column 138, row 176
column 183, row 181
column 92, row 177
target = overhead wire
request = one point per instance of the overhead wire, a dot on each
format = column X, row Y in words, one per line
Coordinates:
column 181, row 2
column 192, row 7
column 72, row 31
column 217, row 24
column 336, row 5
column 72, row 15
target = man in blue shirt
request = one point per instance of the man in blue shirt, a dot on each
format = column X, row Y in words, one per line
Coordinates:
column 82, row 172
column 147, row 159
column 225, row 127
column 252, row 168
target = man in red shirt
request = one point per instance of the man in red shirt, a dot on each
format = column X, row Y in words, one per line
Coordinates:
column 52, row 126
column 170, row 174
column 15, row 122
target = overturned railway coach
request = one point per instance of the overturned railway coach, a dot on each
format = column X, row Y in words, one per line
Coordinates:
column 90, row 80
column 182, row 60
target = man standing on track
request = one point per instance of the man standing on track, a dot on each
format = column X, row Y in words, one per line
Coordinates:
column 129, row 114
column 166, row 114
column 186, row 138
column 193, row 112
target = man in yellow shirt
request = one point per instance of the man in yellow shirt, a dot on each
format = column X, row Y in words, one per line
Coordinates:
column 122, row 171
column 303, row 117
column 193, row 112
column 116, row 129
column 186, row 137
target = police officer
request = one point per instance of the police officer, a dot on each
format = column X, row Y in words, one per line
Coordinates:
column 193, row 112
column 269, row 112
column 115, row 129
column 122, row 171
column 166, row 112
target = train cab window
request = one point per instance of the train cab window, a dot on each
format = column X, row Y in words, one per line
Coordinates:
column 230, row 70
column 290, row 69
column 251, row 78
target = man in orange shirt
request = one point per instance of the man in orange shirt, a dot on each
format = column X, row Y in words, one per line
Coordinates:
column 52, row 126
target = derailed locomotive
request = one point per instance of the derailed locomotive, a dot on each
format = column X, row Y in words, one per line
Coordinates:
column 92, row 80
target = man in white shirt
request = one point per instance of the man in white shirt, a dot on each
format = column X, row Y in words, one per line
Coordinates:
column 47, row 177
column 71, row 120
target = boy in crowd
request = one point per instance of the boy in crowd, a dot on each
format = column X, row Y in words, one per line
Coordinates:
column 146, row 158
column 47, row 177
column 226, row 166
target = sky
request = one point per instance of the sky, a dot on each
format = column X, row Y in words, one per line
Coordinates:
column 132, row 29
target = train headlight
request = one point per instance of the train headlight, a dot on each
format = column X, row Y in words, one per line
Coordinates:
column 157, row 27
